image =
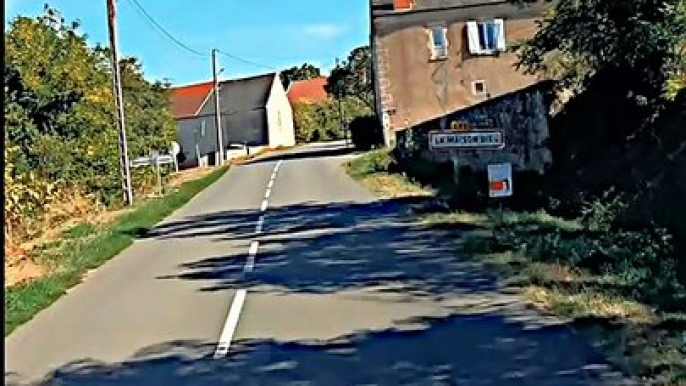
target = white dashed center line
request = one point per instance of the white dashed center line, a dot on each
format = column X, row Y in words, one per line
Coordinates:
column 239, row 299
column 260, row 224
column 231, row 324
column 252, row 252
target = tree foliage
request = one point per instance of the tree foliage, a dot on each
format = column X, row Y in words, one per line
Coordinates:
column 635, row 44
column 60, row 131
column 303, row 72
column 323, row 122
column 353, row 77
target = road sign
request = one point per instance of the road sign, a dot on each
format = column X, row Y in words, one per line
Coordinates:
column 500, row 180
column 474, row 139
column 152, row 160
column 141, row 161
column 164, row 159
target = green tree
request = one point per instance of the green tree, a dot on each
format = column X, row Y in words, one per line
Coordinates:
column 353, row 77
column 59, row 108
column 631, row 47
column 303, row 72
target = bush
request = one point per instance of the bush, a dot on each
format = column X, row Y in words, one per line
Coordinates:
column 322, row 121
column 643, row 260
column 366, row 132
column 60, row 126
column 379, row 161
column 317, row 122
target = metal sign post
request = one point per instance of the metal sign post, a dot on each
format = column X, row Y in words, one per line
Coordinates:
column 174, row 151
column 154, row 156
column 156, row 160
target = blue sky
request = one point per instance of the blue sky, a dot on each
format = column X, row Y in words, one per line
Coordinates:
column 274, row 33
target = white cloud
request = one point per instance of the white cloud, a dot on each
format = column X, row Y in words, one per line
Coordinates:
column 324, row 31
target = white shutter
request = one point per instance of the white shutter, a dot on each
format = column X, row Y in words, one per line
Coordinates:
column 473, row 37
column 500, row 41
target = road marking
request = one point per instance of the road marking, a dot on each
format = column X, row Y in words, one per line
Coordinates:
column 239, row 299
column 252, row 252
column 260, row 224
column 231, row 324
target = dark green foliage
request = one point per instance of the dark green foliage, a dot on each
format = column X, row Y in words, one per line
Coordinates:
column 323, row 122
column 353, row 77
column 377, row 161
column 304, row 72
column 60, row 115
column 642, row 259
column 366, row 132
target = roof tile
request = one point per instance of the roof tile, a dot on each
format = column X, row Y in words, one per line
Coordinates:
column 308, row 91
column 186, row 101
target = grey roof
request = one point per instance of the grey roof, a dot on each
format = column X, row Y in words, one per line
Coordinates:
column 242, row 95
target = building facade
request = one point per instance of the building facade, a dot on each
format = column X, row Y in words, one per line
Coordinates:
column 254, row 111
column 434, row 57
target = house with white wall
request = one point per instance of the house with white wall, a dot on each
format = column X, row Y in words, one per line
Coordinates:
column 254, row 111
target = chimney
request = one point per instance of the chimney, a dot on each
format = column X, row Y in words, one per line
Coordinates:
column 403, row 5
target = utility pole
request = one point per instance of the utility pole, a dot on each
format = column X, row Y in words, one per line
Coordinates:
column 119, row 103
column 340, row 107
column 217, row 110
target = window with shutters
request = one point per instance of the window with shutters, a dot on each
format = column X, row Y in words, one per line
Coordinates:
column 486, row 37
column 439, row 42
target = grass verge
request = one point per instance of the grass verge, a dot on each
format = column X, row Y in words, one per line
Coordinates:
column 541, row 256
column 374, row 170
column 87, row 246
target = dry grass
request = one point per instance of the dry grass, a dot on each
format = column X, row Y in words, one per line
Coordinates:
column 177, row 179
column 635, row 338
column 371, row 170
column 31, row 257
column 393, row 186
column 86, row 246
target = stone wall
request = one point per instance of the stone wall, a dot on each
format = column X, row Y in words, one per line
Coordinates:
column 521, row 115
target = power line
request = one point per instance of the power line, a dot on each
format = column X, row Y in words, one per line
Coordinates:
column 142, row 10
column 246, row 61
column 164, row 31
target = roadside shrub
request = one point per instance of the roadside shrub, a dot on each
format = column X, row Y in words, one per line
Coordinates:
column 379, row 161
column 60, row 125
column 322, row 121
column 366, row 132
column 642, row 260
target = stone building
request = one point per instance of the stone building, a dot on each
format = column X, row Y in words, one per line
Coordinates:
column 434, row 57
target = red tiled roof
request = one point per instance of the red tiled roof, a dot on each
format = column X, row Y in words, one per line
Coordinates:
column 311, row 90
column 187, row 100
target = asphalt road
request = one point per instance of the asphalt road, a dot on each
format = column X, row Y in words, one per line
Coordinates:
column 287, row 272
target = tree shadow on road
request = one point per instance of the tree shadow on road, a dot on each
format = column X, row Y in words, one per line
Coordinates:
column 327, row 248
column 322, row 249
column 476, row 350
column 332, row 150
